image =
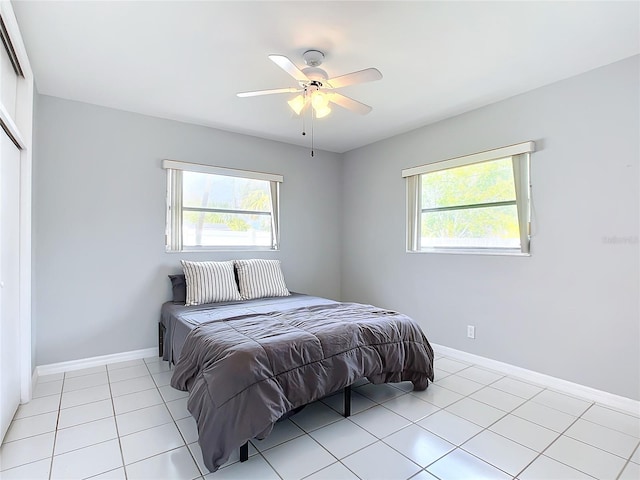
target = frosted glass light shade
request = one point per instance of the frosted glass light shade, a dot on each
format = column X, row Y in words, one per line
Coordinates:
column 319, row 100
column 297, row 104
column 322, row 112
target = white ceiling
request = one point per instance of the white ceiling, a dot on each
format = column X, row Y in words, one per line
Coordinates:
column 186, row 60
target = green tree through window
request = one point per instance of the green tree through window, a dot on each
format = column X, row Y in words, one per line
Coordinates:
column 470, row 205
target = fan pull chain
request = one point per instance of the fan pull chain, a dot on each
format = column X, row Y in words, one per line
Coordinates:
column 312, row 132
column 304, row 128
column 304, row 124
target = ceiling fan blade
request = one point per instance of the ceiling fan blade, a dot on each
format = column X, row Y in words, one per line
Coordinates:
column 289, row 67
column 350, row 104
column 268, row 92
column 361, row 76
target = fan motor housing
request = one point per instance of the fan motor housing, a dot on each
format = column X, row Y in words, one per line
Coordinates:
column 313, row 58
column 315, row 73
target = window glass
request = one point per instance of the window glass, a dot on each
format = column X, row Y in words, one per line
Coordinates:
column 219, row 191
column 476, row 183
column 487, row 227
column 473, row 206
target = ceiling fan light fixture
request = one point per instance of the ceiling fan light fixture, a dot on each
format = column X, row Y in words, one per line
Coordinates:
column 322, row 112
column 297, row 104
column 319, row 100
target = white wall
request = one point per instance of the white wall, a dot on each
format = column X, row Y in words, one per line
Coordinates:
column 100, row 269
column 571, row 310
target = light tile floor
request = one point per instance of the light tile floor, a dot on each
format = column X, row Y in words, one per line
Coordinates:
column 124, row 421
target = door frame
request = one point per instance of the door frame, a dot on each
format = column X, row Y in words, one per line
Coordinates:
column 20, row 129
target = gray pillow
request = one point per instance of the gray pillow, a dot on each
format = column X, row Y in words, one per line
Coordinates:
column 179, row 286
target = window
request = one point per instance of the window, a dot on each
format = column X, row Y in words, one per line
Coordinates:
column 214, row 208
column 478, row 203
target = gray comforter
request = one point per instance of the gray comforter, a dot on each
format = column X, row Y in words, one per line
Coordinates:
column 245, row 372
column 179, row 319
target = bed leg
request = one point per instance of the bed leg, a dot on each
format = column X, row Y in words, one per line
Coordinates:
column 244, row 452
column 347, row 401
column 160, row 339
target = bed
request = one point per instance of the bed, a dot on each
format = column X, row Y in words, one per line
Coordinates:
column 247, row 364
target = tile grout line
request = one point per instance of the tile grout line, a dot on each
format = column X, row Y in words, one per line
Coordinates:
column 594, row 446
column 624, row 467
column 484, row 429
column 325, row 448
column 511, row 413
column 594, row 404
column 175, row 423
column 378, row 439
column 456, row 447
column 339, row 462
column 111, row 398
column 415, row 423
column 151, row 456
column 307, row 433
column 521, row 418
column 186, row 445
column 55, row 433
column 560, row 435
column 113, row 408
column 104, row 400
column 610, row 428
column 543, row 389
column 459, row 447
column 271, row 466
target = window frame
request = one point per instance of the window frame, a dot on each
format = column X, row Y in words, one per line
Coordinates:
column 520, row 158
column 175, row 208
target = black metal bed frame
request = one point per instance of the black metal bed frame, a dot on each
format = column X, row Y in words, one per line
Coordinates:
column 161, row 330
column 244, row 449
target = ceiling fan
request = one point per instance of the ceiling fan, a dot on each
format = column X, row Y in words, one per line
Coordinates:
column 315, row 88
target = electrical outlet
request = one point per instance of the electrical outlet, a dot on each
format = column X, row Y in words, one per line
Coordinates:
column 471, row 331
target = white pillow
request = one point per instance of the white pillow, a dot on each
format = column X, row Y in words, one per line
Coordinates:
column 209, row 282
column 260, row 278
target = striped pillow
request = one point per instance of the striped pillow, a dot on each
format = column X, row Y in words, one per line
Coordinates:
column 209, row 282
column 260, row 278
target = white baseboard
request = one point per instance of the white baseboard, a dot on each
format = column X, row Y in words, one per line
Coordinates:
column 34, row 381
column 605, row 398
column 94, row 361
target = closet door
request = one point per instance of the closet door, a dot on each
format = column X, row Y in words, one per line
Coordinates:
column 16, row 124
column 9, row 281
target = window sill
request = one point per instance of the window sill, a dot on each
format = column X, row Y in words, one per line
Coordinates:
column 471, row 251
column 223, row 249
